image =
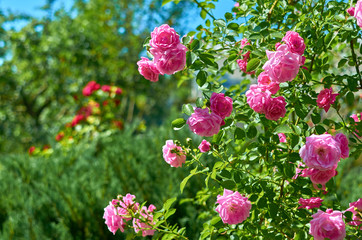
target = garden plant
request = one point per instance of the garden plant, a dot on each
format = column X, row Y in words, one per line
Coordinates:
column 272, row 147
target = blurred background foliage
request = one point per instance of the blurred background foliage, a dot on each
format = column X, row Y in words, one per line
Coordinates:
column 48, row 62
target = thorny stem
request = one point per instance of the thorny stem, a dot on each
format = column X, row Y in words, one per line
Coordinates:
column 356, row 62
column 208, row 13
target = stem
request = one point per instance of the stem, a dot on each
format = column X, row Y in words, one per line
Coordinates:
column 208, row 13
column 271, row 9
column 281, row 190
column 356, row 62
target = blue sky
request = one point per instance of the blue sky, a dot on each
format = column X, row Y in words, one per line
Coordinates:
column 32, row 7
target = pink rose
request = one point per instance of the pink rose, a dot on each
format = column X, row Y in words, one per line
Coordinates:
column 313, row 202
column 351, row 11
column 282, row 137
column 343, row 143
column 171, row 60
column 233, row 208
column 275, row 109
column 265, row 83
column 356, row 209
column 146, row 222
column 277, row 45
column 299, row 170
column 113, row 220
column 355, row 117
column 258, row 99
column 358, row 13
column 294, row 42
column 236, row 5
column 148, row 69
column 319, row 177
column 242, row 65
column 203, row 123
column 204, row 146
column 173, row 154
column 282, row 65
column 221, row 105
column 164, row 38
column 321, row 152
column 327, row 224
column 326, row 98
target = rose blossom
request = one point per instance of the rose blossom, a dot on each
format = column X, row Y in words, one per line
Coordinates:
column 233, row 208
column 282, row 65
column 327, row 224
column 309, row 203
column 148, row 69
column 326, row 98
column 321, row 152
column 171, row 60
column 106, row 88
column 145, row 227
column 164, row 37
column 282, row 137
column 31, row 150
column 265, row 83
column 242, row 65
column 299, row 171
column 113, row 220
column 257, row 98
column 318, row 176
column 275, row 109
column 173, row 154
column 203, row 123
column 59, row 136
column 204, row 146
column 355, row 207
column 294, row 42
column 221, row 105
column 351, row 11
column 358, row 13
column 343, row 143
column 356, row 119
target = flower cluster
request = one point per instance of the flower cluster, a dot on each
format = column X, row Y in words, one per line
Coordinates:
column 169, row 54
column 321, row 154
column 244, row 61
column 233, row 208
column 326, row 98
column 327, row 224
column 207, row 124
column 122, row 210
column 356, row 209
column 282, row 65
column 173, row 154
column 356, row 12
column 309, row 203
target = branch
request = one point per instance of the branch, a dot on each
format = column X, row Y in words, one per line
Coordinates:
column 356, row 62
column 208, row 13
column 271, row 9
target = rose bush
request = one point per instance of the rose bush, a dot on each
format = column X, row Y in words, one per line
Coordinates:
column 267, row 132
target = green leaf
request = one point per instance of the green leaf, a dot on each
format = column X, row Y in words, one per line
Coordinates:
column 203, row 14
column 178, row 123
column 199, row 102
column 220, row 23
column 239, row 134
column 228, row 184
column 233, row 26
column 320, row 129
column 262, row 202
column 255, row 36
column 306, row 74
column 201, row 78
column 342, row 62
column 195, row 45
column 316, row 118
column 187, row 109
column 164, row 2
column 183, row 183
column 283, row 129
column 328, row 39
column 170, row 213
column 252, row 64
column 252, row 132
column 168, row 203
column 207, row 58
column 350, row 98
column 228, row 16
column 190, row 58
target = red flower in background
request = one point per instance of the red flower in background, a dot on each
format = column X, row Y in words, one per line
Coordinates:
column 31, row 150
column 118, row 124
column 106, row 88
column 59, row 136
column 76, row 120
column 90, row 88
column 118, row 91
